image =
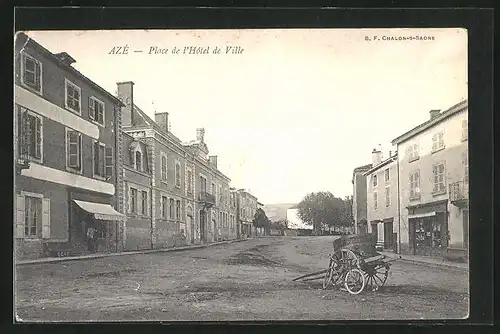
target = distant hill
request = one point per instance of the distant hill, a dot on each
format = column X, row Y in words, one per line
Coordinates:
column 277, row 211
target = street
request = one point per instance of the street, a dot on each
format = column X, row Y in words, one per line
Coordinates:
column 248, row 280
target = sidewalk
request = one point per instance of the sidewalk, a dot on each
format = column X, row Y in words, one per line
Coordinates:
column 428, row 261
column 96, row 256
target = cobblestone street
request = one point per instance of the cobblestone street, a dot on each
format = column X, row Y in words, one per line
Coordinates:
column 250, row 280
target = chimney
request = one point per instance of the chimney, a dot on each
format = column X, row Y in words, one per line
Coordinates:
column 125, row 94
column 434, row 113
column 161, row 118
column 213, row 160
column 376, row 157
column 200, row 135
column 65, row 58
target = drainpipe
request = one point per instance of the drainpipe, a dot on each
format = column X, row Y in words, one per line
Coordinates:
column 151, row 208
column 399, row 210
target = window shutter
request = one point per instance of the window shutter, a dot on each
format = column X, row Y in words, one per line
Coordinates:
column 109, row 161
column 38, row 130
column 45, row 218
column 91, row 108
column 20, row 219
column 73, row 149
column 38, row 75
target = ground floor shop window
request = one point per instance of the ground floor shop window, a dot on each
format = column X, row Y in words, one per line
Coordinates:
column 428, row 235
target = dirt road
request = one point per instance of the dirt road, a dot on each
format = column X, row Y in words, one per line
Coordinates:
column 250, row 280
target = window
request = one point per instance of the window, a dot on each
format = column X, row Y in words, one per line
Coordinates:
column 465, row 130
column 438, row 172
column 375, row 201
column 178, row 209
column 103, row 159
column 138, row 161
column 133, row 200
column 465, row 160
column 74, row 150
column 438, row 141
column 415, row 185
column 387, row 197
column 171, row 207
column 144, row 206
column 32, row 216
column 412, row 152
column 96, row 110
column 73, row 97
column 163, row 168
column 221, row 194
column 387, row 175
column 30, row 135
column 375, row 181
column 31, row 73
column 189, row 181
column 164, row 204
column 203, row 184
column 177, row 174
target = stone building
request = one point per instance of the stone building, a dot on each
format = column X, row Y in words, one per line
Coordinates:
column 246, row 208
column 382, row 199
column 434, row 182
column 67, row 141
column 359, row 204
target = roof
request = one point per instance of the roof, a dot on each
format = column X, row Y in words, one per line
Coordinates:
column 362, row 168
column 431, row 122
column 23, row 38
column 382, row 164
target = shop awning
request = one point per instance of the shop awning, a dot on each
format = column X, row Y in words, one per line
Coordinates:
column 422, row 215
column 101, row 211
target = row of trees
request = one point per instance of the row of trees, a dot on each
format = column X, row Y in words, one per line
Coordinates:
column 323, row 210
column 320, row 209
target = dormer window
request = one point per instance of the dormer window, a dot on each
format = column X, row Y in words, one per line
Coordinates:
column 138, row 161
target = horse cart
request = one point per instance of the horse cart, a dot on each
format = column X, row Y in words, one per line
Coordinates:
column 354, row 264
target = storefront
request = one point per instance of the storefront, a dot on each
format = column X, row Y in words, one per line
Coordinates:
column 428, row 228
column 99, row 227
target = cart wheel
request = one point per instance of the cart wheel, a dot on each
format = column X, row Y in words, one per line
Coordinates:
column 354, row 281
column 376, row 276
column 331, row 275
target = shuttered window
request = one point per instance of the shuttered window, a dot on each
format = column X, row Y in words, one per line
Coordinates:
column 439, row 178
column 189, row 181
column 438, row 141
column 144, row 202
column 177, row 174
column 164, row 168
column 415, row 185
column 32, row 73
column 96, row 110
column 32, row 217
column 74, row 149
column 178, row 209
column 133, row 200
column 103, row 159
column 172, row 208
column 164, row 205
column 30, row 134
column 73, row 97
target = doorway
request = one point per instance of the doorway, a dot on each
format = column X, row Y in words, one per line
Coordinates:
column 191, row 226
column 388, row 239
column 202, row 226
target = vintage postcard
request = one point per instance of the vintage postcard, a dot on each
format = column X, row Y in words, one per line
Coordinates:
column 240, row 175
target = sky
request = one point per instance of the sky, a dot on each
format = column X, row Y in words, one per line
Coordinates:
column 297, row 110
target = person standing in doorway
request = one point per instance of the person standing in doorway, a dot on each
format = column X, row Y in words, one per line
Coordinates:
column 91, row 236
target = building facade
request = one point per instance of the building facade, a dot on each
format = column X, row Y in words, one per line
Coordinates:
column 433, row 172
column 67, row 142
column 359, row 201
column 382, row 199
column 137, row 176
column 246, row 208
column 189, row 200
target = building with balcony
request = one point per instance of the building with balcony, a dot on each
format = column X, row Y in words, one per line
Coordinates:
column 359, row 201
column 67, row 140
column 382, row 199
column 189, row 196
column 433, row 173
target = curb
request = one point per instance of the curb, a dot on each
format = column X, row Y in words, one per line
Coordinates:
column 97, row 256
column 426, row 263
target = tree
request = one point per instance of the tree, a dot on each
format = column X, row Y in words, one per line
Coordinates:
column 260, row 219
column 347, row 218
column 320, row 209
column 280, row 225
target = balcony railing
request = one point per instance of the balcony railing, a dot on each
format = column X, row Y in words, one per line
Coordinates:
column 207, row 198
column 459, row 192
